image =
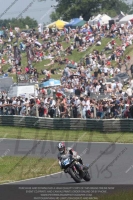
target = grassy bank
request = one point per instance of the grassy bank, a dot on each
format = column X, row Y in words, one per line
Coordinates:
column 17, row 168
column 121, row 195
column 62, row 135
column 76, row 56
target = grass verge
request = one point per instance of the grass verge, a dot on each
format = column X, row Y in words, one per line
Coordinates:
column 17, row 168
column 64, row 135
column 121, row 195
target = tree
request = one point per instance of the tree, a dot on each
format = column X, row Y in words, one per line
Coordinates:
column 69, row 9
column 21, row 23
column 54, row 16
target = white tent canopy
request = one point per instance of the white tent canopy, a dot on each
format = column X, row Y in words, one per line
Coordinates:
column 126, row 19
column 96, row 18
column 103, row 19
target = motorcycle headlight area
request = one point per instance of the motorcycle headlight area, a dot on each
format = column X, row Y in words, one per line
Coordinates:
column 66, row 161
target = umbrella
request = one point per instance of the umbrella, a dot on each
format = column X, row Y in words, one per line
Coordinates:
column 50, row 83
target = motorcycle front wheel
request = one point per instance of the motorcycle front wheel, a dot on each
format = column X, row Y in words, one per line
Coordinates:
column 74, row 175
column 87, row 177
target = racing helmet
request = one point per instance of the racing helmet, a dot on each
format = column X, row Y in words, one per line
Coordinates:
column 61, row 147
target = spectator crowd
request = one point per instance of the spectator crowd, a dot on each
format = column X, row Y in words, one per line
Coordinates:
column 89, row 88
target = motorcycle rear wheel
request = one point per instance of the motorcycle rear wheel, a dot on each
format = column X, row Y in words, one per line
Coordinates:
column 75, row 178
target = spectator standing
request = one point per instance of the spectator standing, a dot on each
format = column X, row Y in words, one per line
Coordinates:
column 131, row 68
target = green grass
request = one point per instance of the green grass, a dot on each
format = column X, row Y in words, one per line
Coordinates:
column 118, row 195
column 121, row 195
column 76, row 56
column 58, row 135
column 17, row 168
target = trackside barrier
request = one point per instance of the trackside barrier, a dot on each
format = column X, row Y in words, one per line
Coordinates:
column 103, row 125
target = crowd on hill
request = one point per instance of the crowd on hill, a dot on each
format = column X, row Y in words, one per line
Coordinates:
column 89, row 88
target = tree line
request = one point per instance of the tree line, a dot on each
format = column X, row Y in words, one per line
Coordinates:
column 69, row 9
column 21, row 23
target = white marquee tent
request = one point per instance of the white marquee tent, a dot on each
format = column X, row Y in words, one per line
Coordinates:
column 103, row 19
column 126, row 19
column 97, row 17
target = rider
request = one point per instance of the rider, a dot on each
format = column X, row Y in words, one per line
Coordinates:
column 63, row 150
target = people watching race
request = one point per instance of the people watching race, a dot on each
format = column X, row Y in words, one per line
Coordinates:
column 85, row 90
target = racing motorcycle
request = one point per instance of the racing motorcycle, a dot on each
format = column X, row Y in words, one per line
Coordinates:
column 74, row 168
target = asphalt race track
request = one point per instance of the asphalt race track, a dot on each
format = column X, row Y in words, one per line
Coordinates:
column 98, row 155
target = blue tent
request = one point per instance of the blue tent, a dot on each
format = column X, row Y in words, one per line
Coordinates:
column 73, row 22
column 50, row 83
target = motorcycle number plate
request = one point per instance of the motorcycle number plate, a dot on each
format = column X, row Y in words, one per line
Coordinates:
column 66, row 162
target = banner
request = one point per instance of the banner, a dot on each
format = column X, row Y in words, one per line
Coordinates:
column 66, row 192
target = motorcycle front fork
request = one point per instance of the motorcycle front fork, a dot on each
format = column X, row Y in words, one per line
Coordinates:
column 76, row 168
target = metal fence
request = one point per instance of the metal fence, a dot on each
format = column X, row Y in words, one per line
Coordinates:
column 107, row 125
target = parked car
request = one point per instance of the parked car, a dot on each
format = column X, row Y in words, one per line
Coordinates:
column 124, row 77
